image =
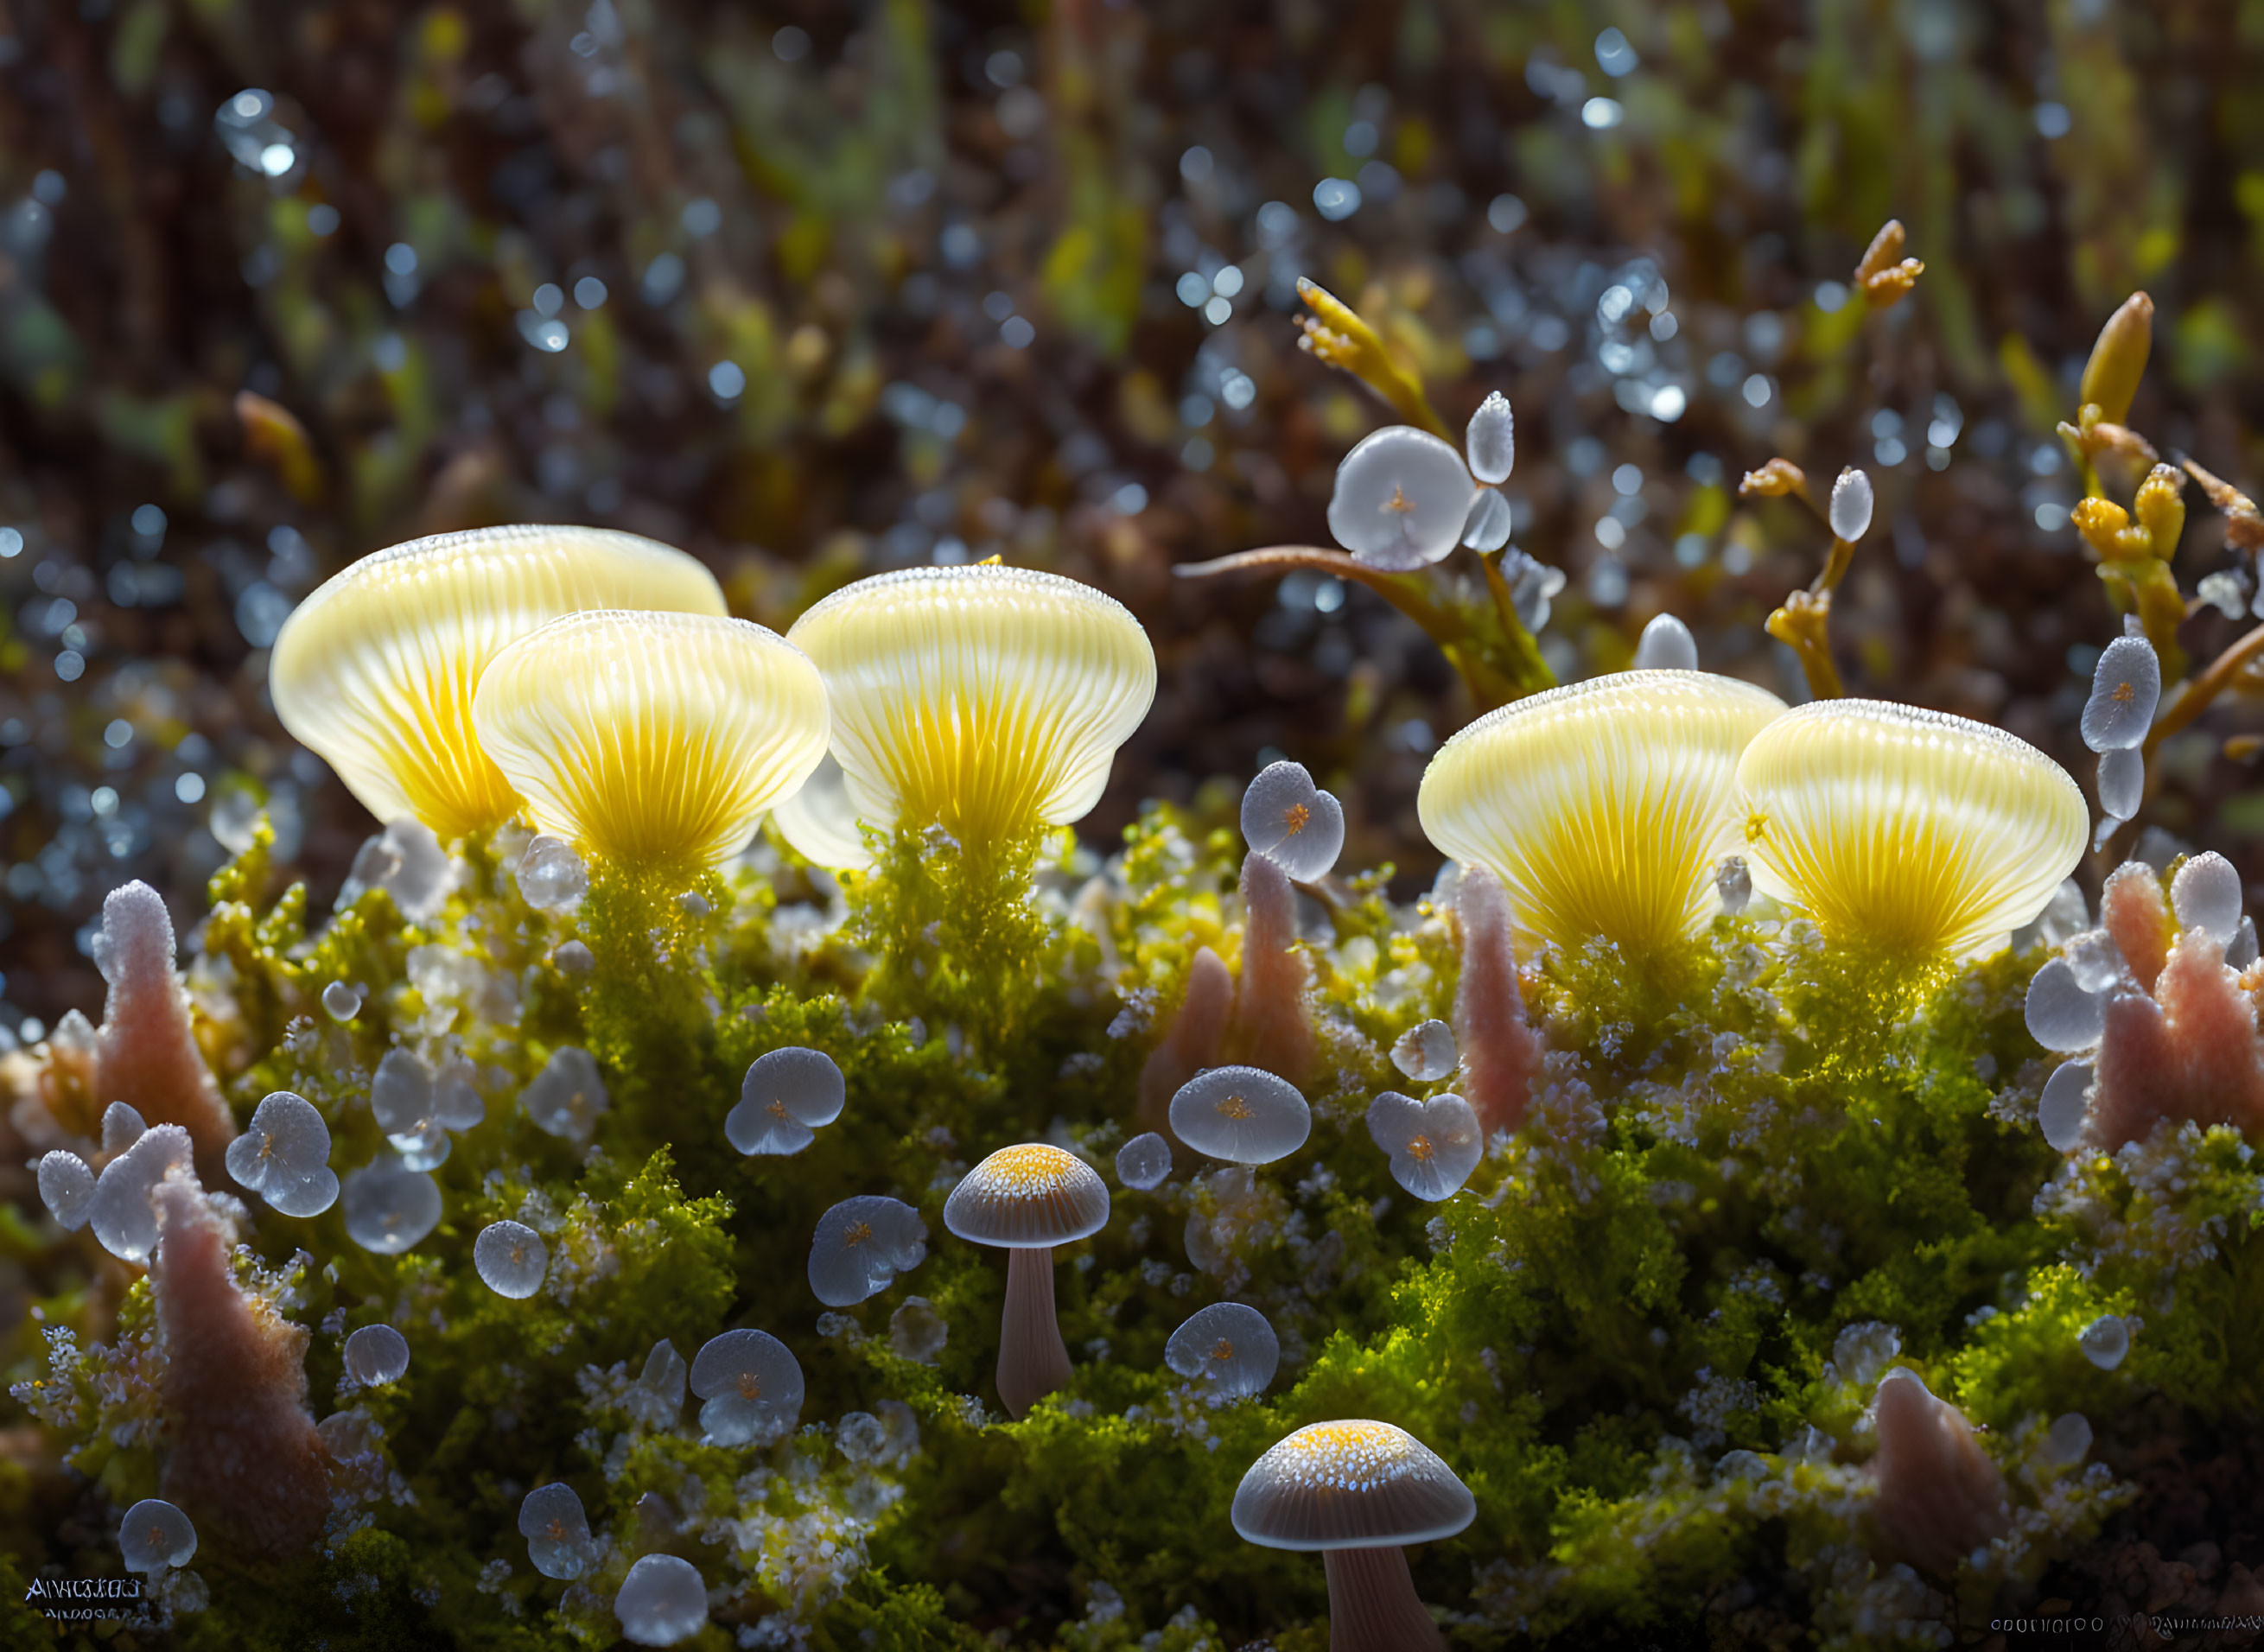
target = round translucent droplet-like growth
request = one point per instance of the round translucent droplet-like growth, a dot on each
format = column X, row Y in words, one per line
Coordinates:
column 1228, row 1347
column 1860, row 1352
column 1488, row 526
column 820, row 821
column 376, row 1355
column 1028, row 1197
column 400, row 1092
column 566, row 1097
column 341, row 1001
column 917, row 1331
column 2064, row 1105
column 66, row 1187
column 1356, row 1484
column 284, row 1157
column 1425, row 1052
column 1666, row 645
column 1490, row 440
column 988, row 701
column 752, row 1386
column 2061, row 1015
column 1433, row 1145
column 662, row 1601
column 376, row 670
column 2096, row 958
column 1292, row 821
column 1245, row 1115
column 1733, row 885
column 2125, row 688
column 406, row 861
column 2068, row 1441
column 2105, row 1342
column 1144, row 1161
column 2206, row 895
column 389, row 1207
column 512, row 1258
column 557, row 1528
column 860, row 1245
column 652, row 740
column 1905, row 832
column 1603, row 806
column 786, row 1096
column 551, row 877
column 1401, row 498
column 2122, row 782
column 1850, row 511
column 155, row 1535
column 121, row 1127
column 124, row 1214
column 456, row 1103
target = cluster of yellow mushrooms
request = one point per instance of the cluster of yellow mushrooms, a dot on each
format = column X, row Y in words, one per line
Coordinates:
column 593, row 685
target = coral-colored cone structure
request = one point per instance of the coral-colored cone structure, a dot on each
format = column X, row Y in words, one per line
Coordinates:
column 146, row 1055
column 1191, row 1042
column 1272, row 1028
column 1500, row 1050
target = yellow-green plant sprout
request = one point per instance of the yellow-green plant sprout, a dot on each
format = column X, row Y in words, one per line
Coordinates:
column 376, row 670
column 1604, row 806
column 654, row 741
column 988, row 701
column 1909, row 833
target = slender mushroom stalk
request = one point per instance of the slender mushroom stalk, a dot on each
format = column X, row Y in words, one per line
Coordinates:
column 1358, row 1491
column 1026, row 1200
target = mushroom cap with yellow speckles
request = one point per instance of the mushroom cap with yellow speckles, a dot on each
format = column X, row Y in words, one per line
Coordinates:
column 375, row 672
column 1604, row 806
column 1027, row 1197
column 1354, row 1484
column 984, row 698
column 1910, row 831
column 654, row 740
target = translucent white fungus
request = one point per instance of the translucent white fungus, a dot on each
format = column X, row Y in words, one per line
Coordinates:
column 2121, row 781
column 662, row 1601
column 2206, row 895
column 860, row 1437
column 1243, row 1114
column 567, row 1096
column 557, row 1528
column 1666, row 645
column 1490, row 440
column 1292, row 821
column 1425, row 1052
column 2068, row 1441
column 284, row 1157
column 155, row 1535
column 1733, row 883
column 2240, row 951
column 121, row 1127
column 2065, row 1104
column 1401, row 498
column 660, row 1391
column 512, row 1258
column 376, row 1355
column 1736, row 1466
column 2125, row 688
column 1487, row 526
column 820, row 820
column 67, row 1187
column 2105, row 1342
column 400, row 1092
column 456, row 1103
column 125, row 1213
column 1850, row 511
column 2061, row 1015
column 423, row 1149
column 752, row 1386
column 786, row 1096
column 2096, row 958
column 917, row 1331
column 1433, row 1145
column 1860, row 1352
column 1228, row 1345
column 860, row 1245
column 341, row 1001
column 389, row 1207
column 1532, row 587
column 552, row 878
column 406, row 860
column 1144, row 1161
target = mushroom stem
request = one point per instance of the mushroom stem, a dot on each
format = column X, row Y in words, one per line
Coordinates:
column 1372, row 1606
column 1033, row 1359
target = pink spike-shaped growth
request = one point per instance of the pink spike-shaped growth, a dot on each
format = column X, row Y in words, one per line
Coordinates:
column 1191, row 1044
column 1500, row 1050
column 146, row 1055
column 1940, row 1496
column 1272, row 1028
column 2189, row 1052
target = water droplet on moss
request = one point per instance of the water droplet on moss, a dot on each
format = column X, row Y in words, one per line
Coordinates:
column 662, row 1601
column 1228, row 1346
column 376, row 1355
column 389, row 1207
column 566, row 1097
column 752, row 1386
column 786, row 1096
column 341, row 1001
column 512, row 1258
column 1144, row 1161
column 2105, row 1341
column 558, row 1532
column 860, row 1245
column 155, row 1535
column 1425, row 1052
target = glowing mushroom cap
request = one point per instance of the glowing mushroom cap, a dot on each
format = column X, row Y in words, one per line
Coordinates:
column 1350, row 1485
column 1028, row 1198
column 376, row 669
column 1907, row 831
column 1604, row 806
column 1245, row 1115
column 652, row 739
column 986, row 699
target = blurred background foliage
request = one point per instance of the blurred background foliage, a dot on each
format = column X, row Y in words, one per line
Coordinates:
column 813, row 290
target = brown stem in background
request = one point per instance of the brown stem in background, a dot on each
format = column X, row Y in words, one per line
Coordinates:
column 1033, row 1359
column 2206, row 687
column 1373, row 1606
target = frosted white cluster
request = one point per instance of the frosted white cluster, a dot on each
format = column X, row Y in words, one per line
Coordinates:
column 1666, row 645
column 552, row 878
column 1425, row 1052
column 1228, row 1346
column 566, row 1097
column 66, row 1187
column 2125, row 688
column 1292, row 821
column 1401, row 498
column 786, row 1098
column 155, row 1535
column 1850, row 511
column 1733, row 884
column 512, row 1258
column 1143, row 1162
column 752, row 1386
column 342, row 1001
column 124, row 1214
column 284, row 1156
column 2105, row 1342
column 1433, row 1145
column 2206, row 895
column 376, row 1355
column 662, row 1601
column 860, row 1245
column 557, row 1528
column 389, row 1207
column 407, row 861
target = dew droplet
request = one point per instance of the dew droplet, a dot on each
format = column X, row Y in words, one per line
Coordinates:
column 376, row 1355
column 860, row 1245
column 2105, row 1341
column 566, row 1097
column 659, row 1396
column 557, row 1528
column 1490, row 440
column 2068, row 1441
column 2206, row 895
column 787, row 1096
column 1292, row 821
column 2064, row 1105
column 662, row 1601
column 1425, row 1052
column 1851, row 507
column 1143, row 1162
column 407, row 861
column 861, row 1437
column 388, row 1206
column 65, row 1188
column 283, row 1155
column 2121, row 781
column 155, row 1535
column 512, row 1258
column 1433, row 1145
column 2061, row 1015
column 752, row 1386
column 551, row 877
column 1228, row 1346
column 456, row 1101
column 342, row 1002
column 1666, row 645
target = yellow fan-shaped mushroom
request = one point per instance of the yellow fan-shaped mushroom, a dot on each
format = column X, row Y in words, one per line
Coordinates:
column 375, row 671
column 653, row 740
column 1603, row 806
column 986, row 699
column 1910, row 832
